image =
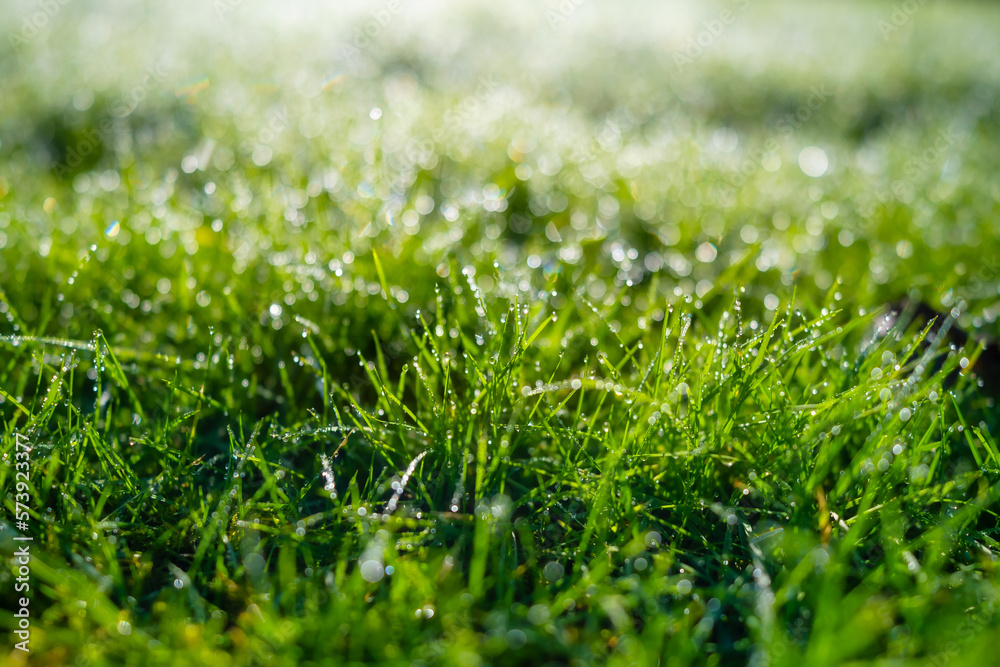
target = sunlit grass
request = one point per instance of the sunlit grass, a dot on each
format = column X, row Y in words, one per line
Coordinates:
column 384, row 362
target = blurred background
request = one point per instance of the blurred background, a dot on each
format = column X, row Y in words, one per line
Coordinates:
column 167, row 148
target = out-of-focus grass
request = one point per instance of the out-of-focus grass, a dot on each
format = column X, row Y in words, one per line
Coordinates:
column 502, row 337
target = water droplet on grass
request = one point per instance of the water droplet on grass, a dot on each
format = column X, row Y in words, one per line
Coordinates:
column 372, row 571
column 254, row 564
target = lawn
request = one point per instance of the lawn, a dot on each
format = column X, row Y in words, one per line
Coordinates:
column 545, row 333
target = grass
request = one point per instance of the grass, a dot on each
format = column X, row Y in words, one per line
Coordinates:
column 411, row 362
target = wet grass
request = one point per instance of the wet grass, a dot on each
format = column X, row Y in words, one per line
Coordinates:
column 399, row 363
